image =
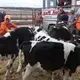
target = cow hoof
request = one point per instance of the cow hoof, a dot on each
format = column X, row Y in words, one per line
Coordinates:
column 19, row 69
column 23, row 76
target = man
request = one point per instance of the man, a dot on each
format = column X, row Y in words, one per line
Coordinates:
column 6, row 25
column 62, row 16
column 72, row 16
column 77, row 21
column 72, row 21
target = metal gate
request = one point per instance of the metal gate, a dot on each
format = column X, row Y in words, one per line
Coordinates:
column 22, row 16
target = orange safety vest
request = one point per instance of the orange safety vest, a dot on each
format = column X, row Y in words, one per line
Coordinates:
column 78, row 24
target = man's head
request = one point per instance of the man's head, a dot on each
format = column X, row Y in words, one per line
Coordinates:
column 61, row 10
column 72, row 10
column 7, row 19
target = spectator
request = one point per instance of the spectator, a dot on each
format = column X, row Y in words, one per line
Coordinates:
column 39, row 20
column 78, row 21
column 72, row 21
column 72, row 16
column 62, row 16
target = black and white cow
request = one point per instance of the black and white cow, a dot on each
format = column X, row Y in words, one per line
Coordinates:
column 42, row 35
column 60, row 32
column 11, row 41
column 50, row 56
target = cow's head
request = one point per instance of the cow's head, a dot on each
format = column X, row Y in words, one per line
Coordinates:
column 60, row 32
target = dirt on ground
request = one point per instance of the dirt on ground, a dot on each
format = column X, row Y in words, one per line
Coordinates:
column 35, row 75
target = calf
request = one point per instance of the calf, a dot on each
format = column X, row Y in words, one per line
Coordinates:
column 50, row 56
column 11, row 41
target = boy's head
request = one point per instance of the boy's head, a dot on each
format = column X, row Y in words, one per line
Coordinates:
column 7, row 19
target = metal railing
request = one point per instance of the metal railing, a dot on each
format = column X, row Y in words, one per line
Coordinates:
column 21, row 15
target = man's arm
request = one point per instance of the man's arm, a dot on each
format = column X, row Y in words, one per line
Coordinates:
column 13, row 25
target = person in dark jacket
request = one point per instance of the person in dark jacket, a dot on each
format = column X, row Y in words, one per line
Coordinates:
column 4, row 14
column 62, row 16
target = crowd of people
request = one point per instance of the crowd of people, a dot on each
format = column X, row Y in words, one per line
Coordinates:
column 72, row 19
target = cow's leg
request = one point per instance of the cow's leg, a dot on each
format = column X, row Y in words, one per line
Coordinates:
column 9, row 66
column 27, row 72
column 70, row 78
column 38, row 65
column 66, row 75
column 30, row 68
column 52, row 76
column 70, row 75
column 20, row 63
column 8, row 69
